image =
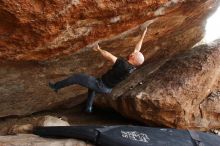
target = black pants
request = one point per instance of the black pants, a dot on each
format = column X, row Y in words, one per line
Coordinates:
column 93, row 84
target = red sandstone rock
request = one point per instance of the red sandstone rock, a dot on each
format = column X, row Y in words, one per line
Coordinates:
column 39, row 30
column 43, row 41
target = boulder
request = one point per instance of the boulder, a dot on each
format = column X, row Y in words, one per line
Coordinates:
column 33, row 140
column 181, row 93
column 41, row 30
column 44, row 41
column 43, row 121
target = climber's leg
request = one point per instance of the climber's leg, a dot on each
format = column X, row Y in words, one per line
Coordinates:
column 90, row 98
column 80, row 79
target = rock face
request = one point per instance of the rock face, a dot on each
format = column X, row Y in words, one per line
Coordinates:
column 43, row 41
column 178, row 93
column 33, row 140
column 39, row 30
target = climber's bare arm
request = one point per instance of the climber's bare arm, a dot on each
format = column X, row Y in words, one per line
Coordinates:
column 105, row 54
column 139, row 44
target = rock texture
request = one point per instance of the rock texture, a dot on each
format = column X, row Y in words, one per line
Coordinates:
column 62, row 32
column 39, row 30
column 43, row 41
column 177, row 94
column 33, row 140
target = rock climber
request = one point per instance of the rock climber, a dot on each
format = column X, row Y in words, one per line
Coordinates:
column 120, row 70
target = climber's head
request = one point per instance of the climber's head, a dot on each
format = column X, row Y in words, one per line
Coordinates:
column 136, row 58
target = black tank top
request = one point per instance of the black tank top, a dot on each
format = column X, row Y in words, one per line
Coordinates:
column 119, row 71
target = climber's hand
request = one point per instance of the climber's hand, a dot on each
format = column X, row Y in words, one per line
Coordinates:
column 107, row 55
column 96, row 47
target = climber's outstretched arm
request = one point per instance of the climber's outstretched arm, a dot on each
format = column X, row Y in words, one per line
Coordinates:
column 105, row 54
column 139, row 44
